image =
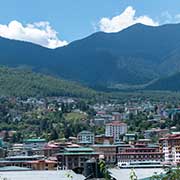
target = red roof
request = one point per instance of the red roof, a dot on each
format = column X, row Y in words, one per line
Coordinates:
column 51, row 146
column 171, row 137
column 44, row 161
column 116, row 123
column 141, row 148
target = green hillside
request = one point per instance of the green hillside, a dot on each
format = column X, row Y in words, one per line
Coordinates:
column 14, row 82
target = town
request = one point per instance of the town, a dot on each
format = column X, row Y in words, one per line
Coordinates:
column 62, row 133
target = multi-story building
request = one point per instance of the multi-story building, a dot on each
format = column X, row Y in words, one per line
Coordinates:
column 140, row 154
column 20, row 161
column 34, row 143
column 52, row 149
column 73, row 158
column 42, row 165
column 107, row 152
column 102, row 139
column 170, row 146
column 130, row 138
column 116, row 116
column 85, row 138
column 159, row 133
column 115, row 129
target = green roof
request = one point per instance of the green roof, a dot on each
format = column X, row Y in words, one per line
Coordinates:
column 34, row 140
column 130, row 134
column 149, row 178
column 78, row 153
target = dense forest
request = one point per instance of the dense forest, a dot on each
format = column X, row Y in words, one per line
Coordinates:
column 23, row 83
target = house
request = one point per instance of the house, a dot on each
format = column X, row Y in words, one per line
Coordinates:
column 129, row 138
column 143, row 142
column 51, row 148
column 20, row 161
column 42, row 165
column 116, row 116
column 34, row 143
column 85, row 138
column 155, row 132
column 99, row 121
column 17, row 150
column 102, row 139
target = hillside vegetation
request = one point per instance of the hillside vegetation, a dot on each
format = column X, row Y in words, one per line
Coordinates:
column 24, row 83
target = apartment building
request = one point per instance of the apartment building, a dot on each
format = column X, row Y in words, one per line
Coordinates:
column 115, row 129
column 170, row 146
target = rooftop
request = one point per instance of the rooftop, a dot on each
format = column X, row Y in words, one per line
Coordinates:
column 81, row 149
column 116, row 123
column 85, row 132
column 34, row 140
column 171, row 137
column 14, row 168
column 24, row 157
column 78, row 153
column 41, row 175
column 104, row 145
column 141, row 173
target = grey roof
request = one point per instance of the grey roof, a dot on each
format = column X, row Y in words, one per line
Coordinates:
column 41, row 175
column 14, row 168
column 124, row 174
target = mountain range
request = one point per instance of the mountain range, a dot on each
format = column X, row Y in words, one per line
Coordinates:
column 134, row 56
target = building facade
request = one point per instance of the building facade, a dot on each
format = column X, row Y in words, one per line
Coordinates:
column 107, row 152
column 115, row 129
column 170, row 146
column 34, row 143
column 140, row 154
column 85, row 138
column 73, row 158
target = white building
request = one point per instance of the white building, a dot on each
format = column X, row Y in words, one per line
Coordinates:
column 85, row 137
column 170, row 146
column 115, row 129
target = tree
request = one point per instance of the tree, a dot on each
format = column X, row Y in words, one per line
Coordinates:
column 6, row 136
column 54, row 135
column 171, row 174
column 133, row 175
column 104, row 170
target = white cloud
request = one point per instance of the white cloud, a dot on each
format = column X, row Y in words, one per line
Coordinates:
column 124, row 20
column 177, row 17
column 167, row 18
column 39, row 33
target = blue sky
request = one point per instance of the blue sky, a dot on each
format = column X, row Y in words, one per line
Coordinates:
column 75, row 19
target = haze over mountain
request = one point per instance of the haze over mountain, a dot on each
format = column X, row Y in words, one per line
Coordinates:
column 170, row 83
column 135, row 55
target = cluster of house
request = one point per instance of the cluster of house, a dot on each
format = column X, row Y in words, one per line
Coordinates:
column 116, row 146
column 37, row 154
column 107, row 113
